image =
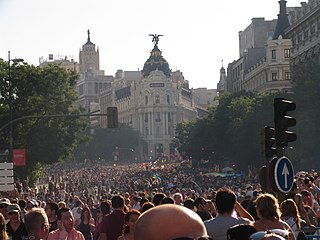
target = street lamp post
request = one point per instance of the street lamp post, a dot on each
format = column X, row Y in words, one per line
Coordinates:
column 10, row 91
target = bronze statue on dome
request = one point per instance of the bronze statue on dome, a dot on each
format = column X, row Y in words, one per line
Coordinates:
column 155, row 38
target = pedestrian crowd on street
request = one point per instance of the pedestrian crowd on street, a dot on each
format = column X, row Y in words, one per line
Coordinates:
column 158, row 200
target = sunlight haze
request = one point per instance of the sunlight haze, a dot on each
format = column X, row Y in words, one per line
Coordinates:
column 197, row 34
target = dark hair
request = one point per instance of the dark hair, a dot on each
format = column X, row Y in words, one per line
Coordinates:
column 240, row 232
column 143, row 201
column 22, row 203
column 146, row 206
column 304, row 193
column 53, row 206
column 157, row 198
column 62, row 210
column 199, row 201
column 105, row 207
column 117, row 201
column 225, row 200
column 82, row 213
column 189, row 203
column 126, row 228
column 167, row 200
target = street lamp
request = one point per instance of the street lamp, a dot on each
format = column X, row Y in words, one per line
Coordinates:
column 16, row 60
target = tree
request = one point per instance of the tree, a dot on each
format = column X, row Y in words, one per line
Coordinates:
column 306, row 77
column 41, row 91
column 104, row 142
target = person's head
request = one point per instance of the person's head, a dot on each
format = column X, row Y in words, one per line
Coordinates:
column 3, row 229
column 78, row 203
column 117, row 202
column 90, row 202
column 178, row 199
column 22, row 204
column 167, row 200
column 267, row 207
column 4, row 203
column 135, row 200
column 66, row 218
column 14, row 213
column 225, row 201
column 201, row 204
column 189, row 203
column 62, row 204
column 158, row 198
column 51, row 209
column 105, row 207
column 130, row 220
column 289, row 208
column 37, row 224
column 146, row 206
column 240, row 232
column 86, row 213
column 187, row 224
column 31, row 204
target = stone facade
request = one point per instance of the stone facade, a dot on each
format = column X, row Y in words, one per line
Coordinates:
column 264, row 63
column 152, row 101
column 305, row 31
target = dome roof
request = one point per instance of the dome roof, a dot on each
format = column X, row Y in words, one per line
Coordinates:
column 156, row 62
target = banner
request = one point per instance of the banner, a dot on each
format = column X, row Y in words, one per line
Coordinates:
column 19, row 157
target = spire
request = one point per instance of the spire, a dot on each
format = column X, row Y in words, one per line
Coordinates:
column 283, row 21
column 89, row 41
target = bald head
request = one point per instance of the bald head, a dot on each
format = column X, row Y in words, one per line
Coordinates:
column 167, row 222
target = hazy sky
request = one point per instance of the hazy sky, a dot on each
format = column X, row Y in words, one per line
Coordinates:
column 197, row 34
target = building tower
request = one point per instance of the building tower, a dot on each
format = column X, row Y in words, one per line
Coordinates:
column 89, row 56
column 222, row 85
column 283, row 21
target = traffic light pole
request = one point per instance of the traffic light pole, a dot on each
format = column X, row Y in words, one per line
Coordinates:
column 50, row 116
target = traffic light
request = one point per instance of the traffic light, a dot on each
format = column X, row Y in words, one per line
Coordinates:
column 269, row 142
column 112, row 117
column 282, row 121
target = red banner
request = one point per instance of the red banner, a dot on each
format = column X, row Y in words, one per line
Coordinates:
column 19, row 157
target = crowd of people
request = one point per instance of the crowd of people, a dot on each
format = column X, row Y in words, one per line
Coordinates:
column 158, row 200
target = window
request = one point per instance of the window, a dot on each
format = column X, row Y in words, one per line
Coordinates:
column 169, row 117
column 287, row 75
column 168, row 99
column 146, row 117
column 146, row 131
column 273, row 54
column 274, row 76
column 287, row 53
column 157, row 99
column 313, row 29
column 158, row 117
column 81, row 89
column 146, row 100
column 300, row 38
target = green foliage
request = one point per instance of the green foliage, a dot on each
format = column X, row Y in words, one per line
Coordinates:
column 306, row 77
column 232, row 131
column 104, row 142
column 41, row 91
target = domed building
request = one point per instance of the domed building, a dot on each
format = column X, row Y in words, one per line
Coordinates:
column 153, row 102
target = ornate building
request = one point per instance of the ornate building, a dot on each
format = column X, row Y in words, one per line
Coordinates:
column 264, row 63
column 92, row 80
column 305, row 32
column 152, row 101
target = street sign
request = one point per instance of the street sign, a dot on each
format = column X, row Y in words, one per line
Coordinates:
column 6, row 177
column 283, row 174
